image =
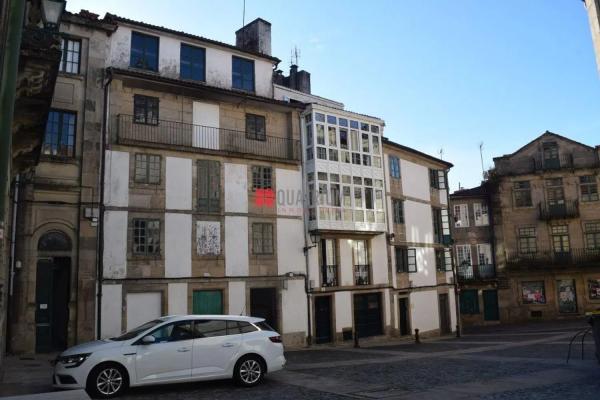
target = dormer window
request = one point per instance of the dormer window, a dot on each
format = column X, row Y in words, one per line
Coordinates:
column 144, row 51
column 242, row 74
column 550, row 152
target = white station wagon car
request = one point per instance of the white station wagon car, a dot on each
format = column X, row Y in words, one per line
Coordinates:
column 171, row 349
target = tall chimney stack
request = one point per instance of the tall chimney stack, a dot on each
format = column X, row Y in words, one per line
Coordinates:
column 255, row 37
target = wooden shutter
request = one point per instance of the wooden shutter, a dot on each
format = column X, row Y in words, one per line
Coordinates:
column 214, row 186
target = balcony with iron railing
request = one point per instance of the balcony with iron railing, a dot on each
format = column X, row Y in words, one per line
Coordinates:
column 199, row 138
column 362, row 275
column 573, row 258
column 474, row 273
column 562, row 210
column 329, row 275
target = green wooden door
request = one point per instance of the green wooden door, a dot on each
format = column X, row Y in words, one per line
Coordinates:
column 207, row 302
column 490, row 305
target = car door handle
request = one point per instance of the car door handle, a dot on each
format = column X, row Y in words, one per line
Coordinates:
column 228, row 345
column 183, row 349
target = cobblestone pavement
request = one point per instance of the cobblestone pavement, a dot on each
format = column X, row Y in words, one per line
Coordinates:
column 502, row 362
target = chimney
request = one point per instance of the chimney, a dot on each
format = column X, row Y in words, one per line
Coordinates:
column 303, row 81
column 255, row 37
column 292, row 77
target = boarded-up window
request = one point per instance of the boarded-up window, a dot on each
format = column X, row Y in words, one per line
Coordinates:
column 208, row 238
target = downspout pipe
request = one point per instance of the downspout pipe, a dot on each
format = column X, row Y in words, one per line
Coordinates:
column 13, row 235
column 8, row 86
column 100, row 233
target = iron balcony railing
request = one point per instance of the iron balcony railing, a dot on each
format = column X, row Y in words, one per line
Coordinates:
column 361, row 275
column 329, row 275
column 192, row 137
column 572, row 258
column 480, row 272
column 563, row 210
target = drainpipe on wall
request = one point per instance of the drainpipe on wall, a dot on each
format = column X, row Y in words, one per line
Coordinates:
column 13, row 235
column 100, row 231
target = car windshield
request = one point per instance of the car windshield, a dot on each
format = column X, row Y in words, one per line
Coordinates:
column 134, row 332
column 263, row 326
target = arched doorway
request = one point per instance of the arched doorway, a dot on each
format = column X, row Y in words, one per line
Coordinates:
column 52, row 292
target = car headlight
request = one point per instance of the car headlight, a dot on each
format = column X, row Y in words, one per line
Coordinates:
column 74, row 360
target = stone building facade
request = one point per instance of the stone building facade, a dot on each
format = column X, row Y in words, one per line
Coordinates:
column 546, row 212
column 473, row 245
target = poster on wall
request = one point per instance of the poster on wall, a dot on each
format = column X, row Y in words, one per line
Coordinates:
column 594, row 289
column 533, row 292
column 208, row 238
column 567, row 300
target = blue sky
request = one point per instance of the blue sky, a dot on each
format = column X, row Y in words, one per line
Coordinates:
column 442, row 74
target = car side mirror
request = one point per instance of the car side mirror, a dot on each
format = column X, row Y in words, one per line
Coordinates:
column 148, row 339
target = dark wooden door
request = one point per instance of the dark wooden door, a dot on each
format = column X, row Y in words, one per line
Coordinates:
column 404, row 321
column 444, row 309
column 490, row 305
column 367, row 315
column 263, row 304
column 323, row 319
column 52, row 304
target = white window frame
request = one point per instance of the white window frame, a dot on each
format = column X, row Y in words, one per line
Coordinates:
column 461, row 215
column 480, row 210
column 484, row 251
column 463, row 253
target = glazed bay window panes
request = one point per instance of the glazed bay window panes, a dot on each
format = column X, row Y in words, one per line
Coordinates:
column 344, row 138
column 356, row 158
column 345, row 156
column 346, row 196
column 256, row 127
column 145, row 109
column 592, row 236
column 334, row 177
column 311, row 194
column 322, row 176
column 522, row 194
column 71, row 56
column 354, row 143
column 310, row 154
column 320, row 134
column 242, row 74
column 192, row 62
column 147, row 168
column 369, row 198
column 374, row 129
column 319, row 117
column 366, row 160
column 146, row 237
column 333, row 155
column 377, row 162
column 309, row 135
column 342, row 122
column 323, row 199
column 398, row 211
column 353, row 124
column 401, row 254
column 262, row 238
column 335, row 195
column 144, row 51
column 359, row 216
column 365, row 143
column 364, row 126
column 394, row 167
column 347, row 179
column 368, row 182
column 322, row 153
column 588, row 187
column 209, row 186
column 331, row 120
column 261, row 177
column 59, row 138
column 560, row 239
column 357, row 180
column 358, row 203
column 308, row 118
column 332, row 136
column 376, row 147
column 527, row 240
column 378, row 199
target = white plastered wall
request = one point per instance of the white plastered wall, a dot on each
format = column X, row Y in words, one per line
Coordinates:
column 294, row 315
column 116, row 178
column 178, row 185
column 142, row 307
column 343, row 311
column 111, row 309
column 236, row 188
column 115, row 245
column 424, row 313
column 178, row 245
column 290, row 242
column 237, row 298
column 177, row 299
column 236, row 246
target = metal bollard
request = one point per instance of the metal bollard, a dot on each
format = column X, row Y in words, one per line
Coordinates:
column 356, row 345
column 417, row 339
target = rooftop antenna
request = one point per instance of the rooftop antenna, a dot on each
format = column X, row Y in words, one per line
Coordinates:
column 295, row 55
column 244, row 14
column 441, row 153
column 481, row 155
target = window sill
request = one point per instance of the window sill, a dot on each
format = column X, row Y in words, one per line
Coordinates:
column 59, row 159
column 146, row 70
column 71, row 75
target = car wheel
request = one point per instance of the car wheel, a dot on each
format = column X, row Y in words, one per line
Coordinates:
column 249, row 371
column 107, row 381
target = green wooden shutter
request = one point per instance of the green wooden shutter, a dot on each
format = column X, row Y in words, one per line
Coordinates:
column 207, row 302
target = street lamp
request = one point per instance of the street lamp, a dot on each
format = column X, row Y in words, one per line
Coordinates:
column 52, row 11
column 314, row 238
